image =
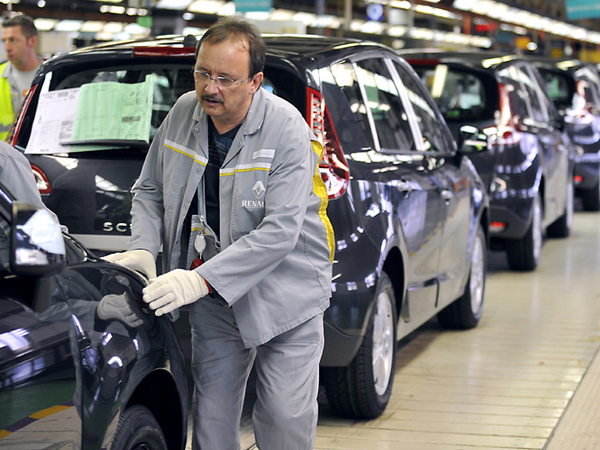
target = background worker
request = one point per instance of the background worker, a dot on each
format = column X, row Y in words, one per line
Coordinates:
column 230, row 188
column 19, row 36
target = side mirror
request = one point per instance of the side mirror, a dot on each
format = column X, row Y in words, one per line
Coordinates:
column 471, row 140
column 37, row 243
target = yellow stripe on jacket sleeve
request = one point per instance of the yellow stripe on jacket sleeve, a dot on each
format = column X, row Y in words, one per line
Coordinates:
column 321, row 191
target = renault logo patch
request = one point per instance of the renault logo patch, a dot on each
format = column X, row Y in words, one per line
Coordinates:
column 259, row 189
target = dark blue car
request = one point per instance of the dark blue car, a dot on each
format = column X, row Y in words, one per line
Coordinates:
column 409, row 211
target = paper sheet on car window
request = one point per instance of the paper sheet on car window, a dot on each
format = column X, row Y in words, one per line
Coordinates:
column 104, row 111
column 54, row 120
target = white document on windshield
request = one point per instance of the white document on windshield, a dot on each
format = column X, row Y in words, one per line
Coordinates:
column 54, row 122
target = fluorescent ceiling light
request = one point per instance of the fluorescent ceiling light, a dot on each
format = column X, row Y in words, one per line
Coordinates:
column 404, row 4
column 91, row 26
column 113, row 27
column 205, row 6
column 282, row 14
column 112, row 9
column 372, row 27
column 173, row 4
column 68, row 25
column 228, row 9
column 396, row 30
column 135, row 29
column 45, row 24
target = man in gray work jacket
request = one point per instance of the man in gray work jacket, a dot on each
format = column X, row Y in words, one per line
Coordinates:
column 230, row 188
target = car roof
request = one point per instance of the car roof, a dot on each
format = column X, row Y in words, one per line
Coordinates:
column 475, row 59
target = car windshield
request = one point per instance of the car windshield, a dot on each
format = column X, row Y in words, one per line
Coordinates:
column 98, row 109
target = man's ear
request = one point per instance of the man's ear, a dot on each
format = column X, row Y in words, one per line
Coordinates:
column 256, row 82
column 32, row 41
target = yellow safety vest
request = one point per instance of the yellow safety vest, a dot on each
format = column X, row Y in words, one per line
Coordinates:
column 7, row 114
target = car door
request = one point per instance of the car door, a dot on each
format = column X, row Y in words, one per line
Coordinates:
column 451, row 179
column 405, row 178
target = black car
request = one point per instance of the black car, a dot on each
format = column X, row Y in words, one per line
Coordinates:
column 574, row 86
column 409, row 211
column 528, row 171
column 83, row 363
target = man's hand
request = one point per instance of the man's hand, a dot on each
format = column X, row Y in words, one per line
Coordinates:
column 173, row 290
column 140, row 260
column 120, row 307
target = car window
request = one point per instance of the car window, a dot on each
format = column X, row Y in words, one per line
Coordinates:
column 426, row 115
column 540, row 106
column 510, row 79
column 557, row 87
column 167, row 85
column 383, row 99
column 346, row 78
column 459, row 95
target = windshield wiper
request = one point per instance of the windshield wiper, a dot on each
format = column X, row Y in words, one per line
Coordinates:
column 111, row 142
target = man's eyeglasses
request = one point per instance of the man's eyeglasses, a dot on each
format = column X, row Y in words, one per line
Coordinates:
column 221, row 82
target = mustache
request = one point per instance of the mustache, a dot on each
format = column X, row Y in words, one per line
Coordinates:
column 211, row 98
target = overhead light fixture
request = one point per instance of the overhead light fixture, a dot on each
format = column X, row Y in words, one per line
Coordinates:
column 68, row 25
column 112, row 9
column 173, row 4
column 205, row 6
column 113, row 27
column 91, row 26
column 228, row 9
column 44, row 24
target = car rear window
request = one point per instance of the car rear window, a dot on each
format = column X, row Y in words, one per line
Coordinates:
column 460, row 95
column 164, row 84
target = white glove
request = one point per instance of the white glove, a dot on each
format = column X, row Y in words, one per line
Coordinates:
column 173, row 290
column 140, row 260
column 119, row 307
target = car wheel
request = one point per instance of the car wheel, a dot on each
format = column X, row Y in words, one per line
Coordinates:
column 363, row 389
column 465, row 312
column 590, row 198
column 138, row 430
column 562, row 227
column 525, row 254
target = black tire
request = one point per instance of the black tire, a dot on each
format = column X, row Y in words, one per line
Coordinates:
column 363, row 389
column 138, row 430
column 561, row 228
column 525, row 254
column 465, row 312
column 590, row 198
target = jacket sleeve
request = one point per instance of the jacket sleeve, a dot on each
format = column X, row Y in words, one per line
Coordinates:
column 251, row 258
column 16, row 174
column 147, row 209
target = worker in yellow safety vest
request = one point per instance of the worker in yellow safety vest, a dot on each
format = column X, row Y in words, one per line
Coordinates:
column 19, row 36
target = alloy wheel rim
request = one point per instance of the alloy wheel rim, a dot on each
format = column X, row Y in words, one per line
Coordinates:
column 383, row 343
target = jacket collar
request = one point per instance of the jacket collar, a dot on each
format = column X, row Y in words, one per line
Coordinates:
column 253, row 122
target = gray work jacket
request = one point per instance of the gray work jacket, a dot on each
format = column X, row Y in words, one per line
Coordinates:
column 274, row 269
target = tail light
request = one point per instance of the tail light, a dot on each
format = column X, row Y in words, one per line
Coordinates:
column 508, row 129
column 41, row 180
column 333, row 167
column 14, row 131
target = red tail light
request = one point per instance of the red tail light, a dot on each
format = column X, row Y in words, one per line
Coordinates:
column 41, row 180
column 13, row 134
column 333, row 167
column 509, row 128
